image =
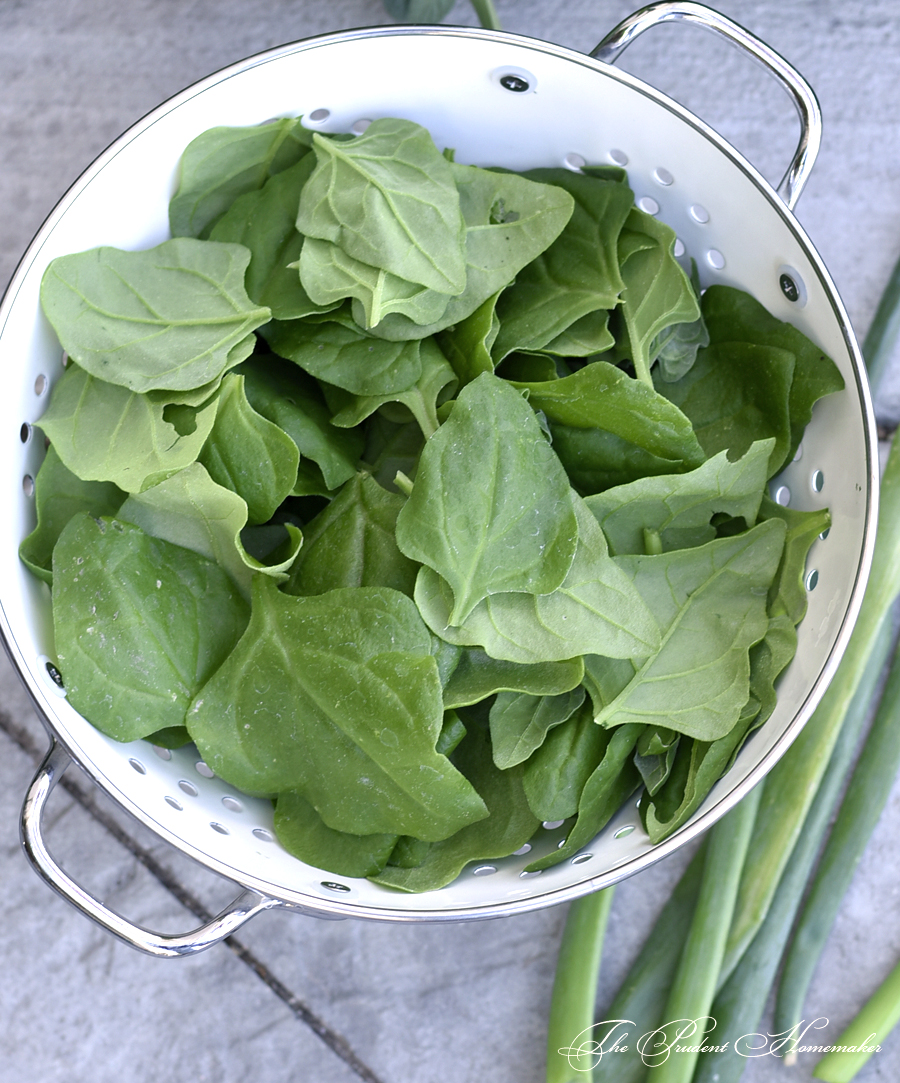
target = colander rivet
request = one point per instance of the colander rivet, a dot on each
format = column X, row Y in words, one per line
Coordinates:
column 789, row 287
column 55, row 675
column 515, row 83
column 335, row 887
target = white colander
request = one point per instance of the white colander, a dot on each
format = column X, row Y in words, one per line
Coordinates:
column 498, row 99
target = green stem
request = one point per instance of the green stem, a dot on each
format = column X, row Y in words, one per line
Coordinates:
column 794, row 781
column 674, row 1048
column 487, row 14
column 864, row 1033
column 575, row 990
column 739, row 1005
column 403, row 483
column 870, row 786
column 641, row 999
column 884, row 330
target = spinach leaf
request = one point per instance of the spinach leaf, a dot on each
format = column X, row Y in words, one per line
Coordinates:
column 679, row 507
column 467, row 343
column 191, row 510
column 613, row 780
column 675, row 347
column 710, row 602
column 248, row 454
column 437, row 381
column 350, row 543
column 509, row 221
column 490, row 510
column 104, row 432
column 555, row 774
column 336, row 697
column 509, row 825
column 223, row 163
column 139, row 624
column 520, row 722
column 601, row 396
column 478, row 676
column 287, row 397
column 657, row 292
column 175, row 316
column 597, row 610
column 735, row 393
column 58, row 495
column 576, row 275
column 735, row 316
column 788, row 594
column 596, row 460
column 264, row 222
column 303, row 833
column 388, row 200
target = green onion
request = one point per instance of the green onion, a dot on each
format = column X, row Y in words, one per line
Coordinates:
column 863, row 1034
column 487, row 14
column 866, row 796
column 884, row 329
column 740, row 1003
column 641, row 999
column 570, row 1042
column 694, row 987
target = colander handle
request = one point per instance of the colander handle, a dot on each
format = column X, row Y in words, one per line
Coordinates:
column 247, row 905
column 800, row 92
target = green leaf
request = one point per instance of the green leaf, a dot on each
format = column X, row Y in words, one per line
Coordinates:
column 596, row 460
column 223, row 163
column 336, row 697
column 347, row 357
column 58, row 495
column 788, row 594
column 735, row 393
column 490, row 510
column 601, row 396
column 249, row 454
column 710, row 602
column 478, row 676
column 596, row 610
column 420, row 400
column 520, row 722
column 657, row 292
column 509, row 825
column 350, row 543
column 175, row 316
column 139, row 625
column 556, row 773
column 675, row 347
column 679, row 507
column 104, row 432
column 302, row 832
column 388, row 199
column 264, row 222
column 467, row 344
column 613, row 780
column 509, row 221
column 578, row 274
column 193, row 511
column 734, row 316
column 287, row 397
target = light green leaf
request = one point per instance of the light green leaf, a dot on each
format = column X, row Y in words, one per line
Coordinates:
column 520, row 722
column 175, row 316
column 139, row 625
column 58, row 495
column 710, row 602
column 490, row 510
column 104, row 432
column 249, row 454
column 679, row 507
column 223, row 163
column 597, row 610
column 478, row 676
column 336, row 697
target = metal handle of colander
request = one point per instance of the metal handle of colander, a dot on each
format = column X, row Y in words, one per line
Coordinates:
column 247, row 905
column 800, row 92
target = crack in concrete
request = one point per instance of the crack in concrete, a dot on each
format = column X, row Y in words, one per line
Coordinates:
column 336, row 1042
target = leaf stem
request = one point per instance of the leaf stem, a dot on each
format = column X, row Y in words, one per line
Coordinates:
column 487, row 14
column 570, row 1042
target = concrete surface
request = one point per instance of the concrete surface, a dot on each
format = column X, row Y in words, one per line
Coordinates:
column 332, row 1002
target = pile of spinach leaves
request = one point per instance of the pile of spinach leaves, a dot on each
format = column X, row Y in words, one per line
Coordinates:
column 427, row 500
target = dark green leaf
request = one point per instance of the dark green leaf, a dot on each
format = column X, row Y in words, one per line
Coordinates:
column 302, row 832
column 478, row 676
column 556, row 773
column 520, row 722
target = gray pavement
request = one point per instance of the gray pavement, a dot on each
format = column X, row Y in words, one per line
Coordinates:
column 333, row 1002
